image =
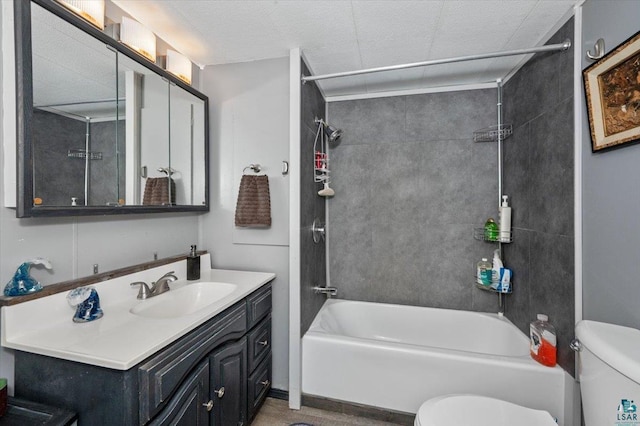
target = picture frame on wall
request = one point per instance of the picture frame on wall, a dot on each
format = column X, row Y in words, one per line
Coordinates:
column 612, row 89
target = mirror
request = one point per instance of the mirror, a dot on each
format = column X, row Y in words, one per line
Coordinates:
column 100, row 129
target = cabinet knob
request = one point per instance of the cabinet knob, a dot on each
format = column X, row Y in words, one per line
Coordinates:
column 208, row 405
column 265, row 383
column 219, row 392
column 264, row 343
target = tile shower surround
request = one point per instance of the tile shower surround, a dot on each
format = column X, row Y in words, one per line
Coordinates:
column 538, row 170
column 312, row 255
column 58, row 135
column 411, row 185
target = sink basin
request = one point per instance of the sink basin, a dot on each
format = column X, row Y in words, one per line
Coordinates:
column 183, row 301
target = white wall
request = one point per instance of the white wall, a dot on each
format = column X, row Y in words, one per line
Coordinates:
column 74, row 244
column 249, row 123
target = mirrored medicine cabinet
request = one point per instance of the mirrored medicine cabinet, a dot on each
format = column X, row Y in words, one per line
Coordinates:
column 101, row 130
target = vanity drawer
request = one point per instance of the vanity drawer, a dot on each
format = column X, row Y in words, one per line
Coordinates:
column 258, row 305
column 258, row 386
column 259, row 343
column 164, row 372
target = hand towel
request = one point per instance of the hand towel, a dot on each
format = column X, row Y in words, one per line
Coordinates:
column 156, row 192
column 253, row 208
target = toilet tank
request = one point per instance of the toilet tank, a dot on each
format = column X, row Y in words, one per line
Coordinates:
column 609, row 371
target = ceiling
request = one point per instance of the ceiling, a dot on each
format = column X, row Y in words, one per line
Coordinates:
column 345, row 35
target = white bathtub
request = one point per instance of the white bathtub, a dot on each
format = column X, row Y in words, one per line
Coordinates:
column 396, row 357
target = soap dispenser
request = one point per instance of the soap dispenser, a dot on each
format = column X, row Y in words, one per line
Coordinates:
column 22, row 282
column 193, row 265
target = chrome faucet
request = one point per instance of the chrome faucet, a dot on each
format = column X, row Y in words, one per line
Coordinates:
column 158, row 287
column 329, row 291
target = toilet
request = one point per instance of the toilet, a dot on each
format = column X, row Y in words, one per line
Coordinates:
column 609, row 385
column 476, row 410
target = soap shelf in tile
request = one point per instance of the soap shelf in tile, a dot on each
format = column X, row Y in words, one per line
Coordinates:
column 478, row 234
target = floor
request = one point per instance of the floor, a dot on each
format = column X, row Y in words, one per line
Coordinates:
column 276, row 412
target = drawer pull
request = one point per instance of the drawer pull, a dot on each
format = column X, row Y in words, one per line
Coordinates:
column 208, row 405
column 219, row 392
column 265, row 383
column 264, row 343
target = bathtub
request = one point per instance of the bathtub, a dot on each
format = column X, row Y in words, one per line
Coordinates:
column 396, row 357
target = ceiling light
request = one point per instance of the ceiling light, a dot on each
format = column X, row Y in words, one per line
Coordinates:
column 138, row 37
column 179, row 65
column 90, row 10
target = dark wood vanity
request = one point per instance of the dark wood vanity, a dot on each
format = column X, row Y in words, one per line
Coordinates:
column 218, row 374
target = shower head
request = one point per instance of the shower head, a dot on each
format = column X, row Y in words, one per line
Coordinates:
column 332, row 133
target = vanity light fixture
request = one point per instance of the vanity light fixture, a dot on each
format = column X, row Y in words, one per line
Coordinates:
column 91, row 11
column 138, row 37
column 179, row 65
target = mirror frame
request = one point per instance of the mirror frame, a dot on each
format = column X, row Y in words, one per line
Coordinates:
column 24, row 117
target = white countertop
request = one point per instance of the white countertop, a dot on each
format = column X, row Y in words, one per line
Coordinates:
column 120, row 339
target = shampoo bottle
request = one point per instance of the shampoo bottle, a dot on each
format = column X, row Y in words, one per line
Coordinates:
column 543, row 341
column 505, row 220
column 193, row 265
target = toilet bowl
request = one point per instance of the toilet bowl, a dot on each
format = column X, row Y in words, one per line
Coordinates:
column 454, row 410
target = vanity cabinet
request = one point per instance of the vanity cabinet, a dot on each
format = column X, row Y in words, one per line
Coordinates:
column 218, row 374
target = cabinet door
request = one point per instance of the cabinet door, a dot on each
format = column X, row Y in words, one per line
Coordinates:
column 189, row 406
column 229, row 384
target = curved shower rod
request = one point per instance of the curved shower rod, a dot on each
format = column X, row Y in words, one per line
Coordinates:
column 547, row 48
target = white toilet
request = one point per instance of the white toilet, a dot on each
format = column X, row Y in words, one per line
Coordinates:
column 608, row 356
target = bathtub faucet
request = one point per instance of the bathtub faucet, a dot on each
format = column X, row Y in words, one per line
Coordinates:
column 329, row 291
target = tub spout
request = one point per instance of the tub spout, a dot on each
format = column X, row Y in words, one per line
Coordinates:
column 329, row 291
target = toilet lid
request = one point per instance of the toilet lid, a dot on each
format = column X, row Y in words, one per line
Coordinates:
column 450, row 410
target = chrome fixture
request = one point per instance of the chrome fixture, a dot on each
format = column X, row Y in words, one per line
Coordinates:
column 332, row 133
column 158, row 287
column 255, row 167
column 575, row 345
column 598, row 50
column 318, row 229
column 329, row 291
column 546, row 48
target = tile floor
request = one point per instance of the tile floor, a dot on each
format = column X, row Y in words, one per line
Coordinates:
column 276, row 412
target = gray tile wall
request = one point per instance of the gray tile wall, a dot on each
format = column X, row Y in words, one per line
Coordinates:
column 410, row 186
column 312, row 255
column 538, row 174
column 107, row 175
column 53, row 136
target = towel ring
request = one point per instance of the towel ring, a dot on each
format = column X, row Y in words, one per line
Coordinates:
column 167, row 170
column 255, row 167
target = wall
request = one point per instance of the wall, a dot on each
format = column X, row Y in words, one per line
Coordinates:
column 55, row 135
column 312, row 206
column 610, row 196
column 107, row 181
column 410, row 187
column 249, row 121
column 538, row 175
column 74, row 244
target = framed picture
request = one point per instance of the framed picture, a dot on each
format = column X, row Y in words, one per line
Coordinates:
column 612, row 87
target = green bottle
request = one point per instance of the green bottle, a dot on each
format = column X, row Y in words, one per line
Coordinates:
column 491, row 230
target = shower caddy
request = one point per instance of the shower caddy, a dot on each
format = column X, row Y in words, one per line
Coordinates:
column 497, row 133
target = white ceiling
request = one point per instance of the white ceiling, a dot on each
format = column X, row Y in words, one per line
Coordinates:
column 344, row 35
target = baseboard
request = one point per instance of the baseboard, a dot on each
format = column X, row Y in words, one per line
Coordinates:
column 359, row 410
column 278, row 394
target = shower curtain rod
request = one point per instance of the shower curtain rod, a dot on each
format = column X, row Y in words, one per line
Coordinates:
column 99, row 101
column 548, row 48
